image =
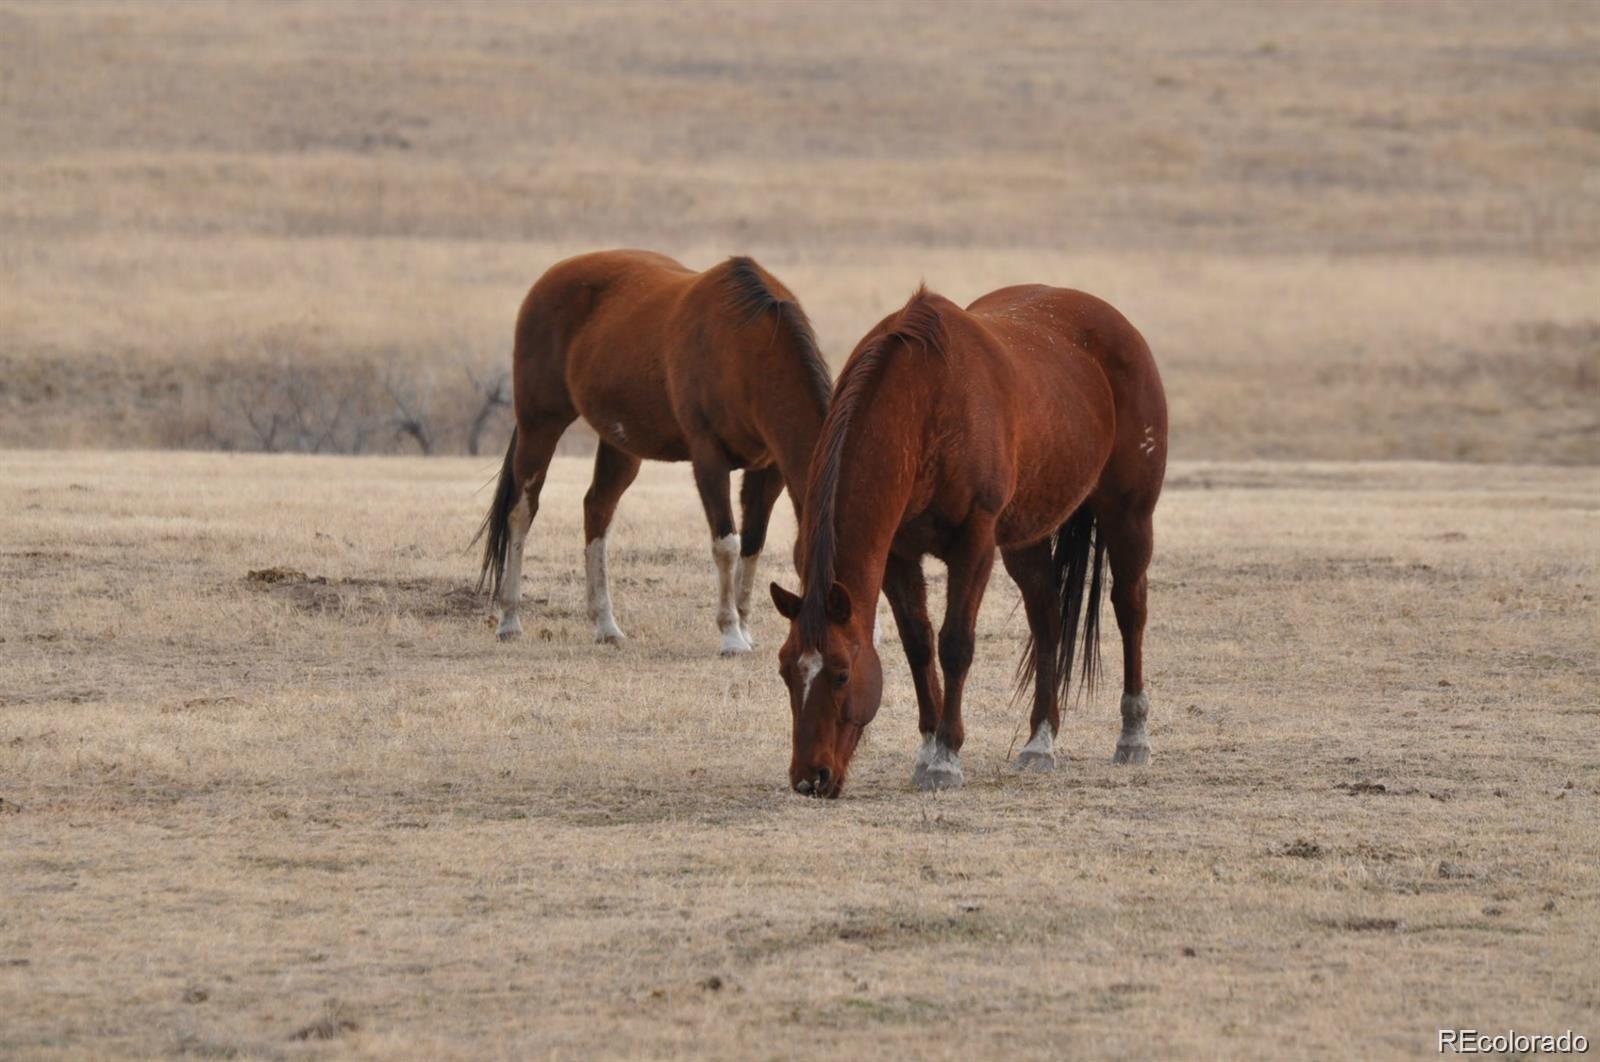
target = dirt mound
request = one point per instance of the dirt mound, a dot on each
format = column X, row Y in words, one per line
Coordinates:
column 274, row 576
column 426, row 598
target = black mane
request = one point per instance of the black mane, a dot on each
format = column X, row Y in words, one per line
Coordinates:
column 752, row 297
column 917, row 324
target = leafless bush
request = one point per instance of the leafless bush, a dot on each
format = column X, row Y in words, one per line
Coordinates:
column 410, row 417
column 373, row 405
column 300, row 410
column 493, row 393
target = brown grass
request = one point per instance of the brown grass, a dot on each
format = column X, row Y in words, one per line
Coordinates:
column 253, row 818
column 1349, row 230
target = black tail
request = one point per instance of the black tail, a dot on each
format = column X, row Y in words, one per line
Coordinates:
column 1079, row 555
column 496, row 523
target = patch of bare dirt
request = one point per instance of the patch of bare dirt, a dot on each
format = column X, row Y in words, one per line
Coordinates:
column 424, row 598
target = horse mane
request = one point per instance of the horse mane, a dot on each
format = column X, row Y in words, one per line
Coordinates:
column 917, row 324
column 752, row 297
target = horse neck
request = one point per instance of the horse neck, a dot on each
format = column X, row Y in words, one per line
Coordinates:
column 878, row 473
column 793, row 421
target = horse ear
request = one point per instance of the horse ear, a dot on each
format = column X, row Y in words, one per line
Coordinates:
column 838, row 604
column 788, row 604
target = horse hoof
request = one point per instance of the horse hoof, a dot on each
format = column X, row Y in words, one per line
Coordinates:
column 941, row 776
column 940, row 769
column 1131, row 755
column 1039, row 762
column 509, row 630
column 734, row 644
column 615, row 638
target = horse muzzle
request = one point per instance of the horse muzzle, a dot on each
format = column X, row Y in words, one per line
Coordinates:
column 820, row 782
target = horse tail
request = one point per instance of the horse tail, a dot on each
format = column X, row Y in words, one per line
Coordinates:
column 1078, row 555
column 496, row 523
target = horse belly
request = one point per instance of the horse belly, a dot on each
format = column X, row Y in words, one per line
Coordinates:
column 1057, row 470
column 1037, row 512
column 632, row 416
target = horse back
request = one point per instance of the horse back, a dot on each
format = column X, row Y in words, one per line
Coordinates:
column 1087, row 412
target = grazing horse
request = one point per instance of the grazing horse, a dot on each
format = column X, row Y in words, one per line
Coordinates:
column 718, row 368
column 1034, row 420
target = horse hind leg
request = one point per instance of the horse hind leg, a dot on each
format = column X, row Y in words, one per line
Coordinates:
column 1129, row 542
column 614, row 472
column 530, row 462
column 758, row 493
column 1033, row 570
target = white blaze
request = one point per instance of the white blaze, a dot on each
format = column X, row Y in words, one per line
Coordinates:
column 810, row 668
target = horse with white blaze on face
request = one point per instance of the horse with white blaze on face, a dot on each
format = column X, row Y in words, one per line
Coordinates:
column 718, row 368
column 1034, row 422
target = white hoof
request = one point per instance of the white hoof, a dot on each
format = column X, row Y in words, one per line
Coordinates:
column 749, row 639
column 1132, row 750
column 1039, row 754
column 510, row 628
column 937, row 767
column 608, row 633
column 734, row 643
column 924, row 758
column 1041, row 762
column 1133, row 747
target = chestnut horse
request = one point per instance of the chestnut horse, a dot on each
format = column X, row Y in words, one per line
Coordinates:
column 718, row 368
column 1034, row 420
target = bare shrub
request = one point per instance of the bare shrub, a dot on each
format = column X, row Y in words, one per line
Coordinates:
column 410, row 417
column 493, row 392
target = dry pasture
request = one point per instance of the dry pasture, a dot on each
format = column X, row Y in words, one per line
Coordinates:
column 337, row 818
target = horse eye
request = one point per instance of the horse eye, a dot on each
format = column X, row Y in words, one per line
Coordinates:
column 840, row 680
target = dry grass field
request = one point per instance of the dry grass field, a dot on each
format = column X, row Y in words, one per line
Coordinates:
column 1349, row 230
column 322, row 812
column 335, row 817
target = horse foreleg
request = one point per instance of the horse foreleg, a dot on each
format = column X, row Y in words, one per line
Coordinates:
column 711, row 472
column 758, row 493
column 907, row 591
column 969, row 563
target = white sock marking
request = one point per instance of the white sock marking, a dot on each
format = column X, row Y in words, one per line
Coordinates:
column 725, row 552
column 1135, row 711
column 518, row 522
column 599, row 580
column 747, row 585
column 1043, row 741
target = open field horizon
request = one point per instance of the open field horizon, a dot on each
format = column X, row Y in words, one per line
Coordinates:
column 334, row 817
column 1349, row 231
